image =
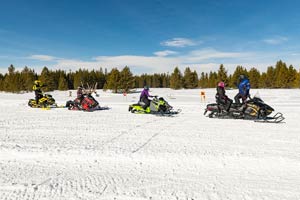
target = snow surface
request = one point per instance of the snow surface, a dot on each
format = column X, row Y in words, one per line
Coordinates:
column 113, row 154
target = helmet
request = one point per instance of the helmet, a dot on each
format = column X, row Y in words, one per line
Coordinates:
column 37, row 82
column 146, row 87
column 241, row 77
column 221, row 84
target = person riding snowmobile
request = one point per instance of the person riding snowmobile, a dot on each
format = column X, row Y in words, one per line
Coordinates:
column 37, row 88
column 80, row 93
column 221, row 97
column 80, row 97
column 244, row 88
column 144, row 97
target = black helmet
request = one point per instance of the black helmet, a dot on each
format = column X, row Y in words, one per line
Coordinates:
column 146, row 87
column 242, row 76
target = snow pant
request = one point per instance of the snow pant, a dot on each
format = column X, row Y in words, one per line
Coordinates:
column 238, row 97
column 38, row 96
column 146, row 101
column 226, row 103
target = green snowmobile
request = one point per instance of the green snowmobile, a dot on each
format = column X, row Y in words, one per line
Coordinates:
column 157, row 106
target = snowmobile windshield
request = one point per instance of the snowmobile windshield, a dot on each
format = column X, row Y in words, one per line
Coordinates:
column 257, row 95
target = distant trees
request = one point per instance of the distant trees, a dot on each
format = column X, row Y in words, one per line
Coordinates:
column 126, row 79
column 63, row 83
column 113, row 80
column 278, row 76
column 190, row 79
column 222, row 74
column 176, row 79
column 254, row 77
column 47, row 78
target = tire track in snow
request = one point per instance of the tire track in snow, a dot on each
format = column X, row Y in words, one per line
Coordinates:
column 148, row 141
column 153, row 136
column 128, row 131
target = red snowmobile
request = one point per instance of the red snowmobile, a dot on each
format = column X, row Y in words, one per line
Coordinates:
column 85, row 101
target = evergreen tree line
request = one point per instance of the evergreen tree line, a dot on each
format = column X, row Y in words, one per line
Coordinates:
column 280, row 76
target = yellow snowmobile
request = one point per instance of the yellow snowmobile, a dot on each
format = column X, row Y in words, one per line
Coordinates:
column 47, row 101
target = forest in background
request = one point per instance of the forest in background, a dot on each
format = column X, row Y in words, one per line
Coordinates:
column 278, row 76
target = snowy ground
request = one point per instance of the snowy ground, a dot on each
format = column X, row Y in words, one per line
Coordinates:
column 113, row 154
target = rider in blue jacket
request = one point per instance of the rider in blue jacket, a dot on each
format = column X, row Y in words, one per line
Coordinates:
column 244, row 88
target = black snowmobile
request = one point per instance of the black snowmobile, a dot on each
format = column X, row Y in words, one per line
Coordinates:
column 158, row 105
column 253, row 109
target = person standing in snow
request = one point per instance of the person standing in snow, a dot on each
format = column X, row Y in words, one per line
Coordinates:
column 221, row 97
column 144, row 97
column 244, row 88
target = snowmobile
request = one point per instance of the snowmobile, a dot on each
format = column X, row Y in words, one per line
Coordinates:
column 47, row 101
column 253, row 109
column 158, row 105
column 86, row 103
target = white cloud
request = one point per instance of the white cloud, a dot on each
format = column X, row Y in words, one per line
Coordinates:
column 159, row 63
column 154, row 63
column 164, row 53
column 42, row 57
column 206, row 54
column 275, row 40
column 179, row 42
column 202, row 60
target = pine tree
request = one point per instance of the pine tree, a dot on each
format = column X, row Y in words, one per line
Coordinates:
column 190, row 79
column 194, row 79
column 47, row 80
column 78, row 78
column 113, row 80
column 254, row 77
column 222, row 74
column 100, row 78
column 63, row 84
column 1, row 82
column 156, row 81
column 202, row 80
column 270, row 77
column 28, row 77
column 176, row 79
column 126, row 79
column 292, row 75
column 187, row 79
column 18, row 82
column 297, row 80
column 9, row 82
column 213, row 79
column 262, row 80
column 165, row 80
column 70, row 80
column 281, row 75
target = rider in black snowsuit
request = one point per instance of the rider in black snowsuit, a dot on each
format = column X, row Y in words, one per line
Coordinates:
column 222, row 98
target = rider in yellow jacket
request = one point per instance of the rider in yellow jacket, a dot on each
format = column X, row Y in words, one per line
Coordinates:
column 37, row 90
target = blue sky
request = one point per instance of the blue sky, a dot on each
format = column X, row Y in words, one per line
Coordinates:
column 148, row 35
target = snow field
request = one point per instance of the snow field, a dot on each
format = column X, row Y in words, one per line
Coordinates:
column 113, row 154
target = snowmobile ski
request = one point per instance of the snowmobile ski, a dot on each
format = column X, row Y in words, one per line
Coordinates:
column 277, row 118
